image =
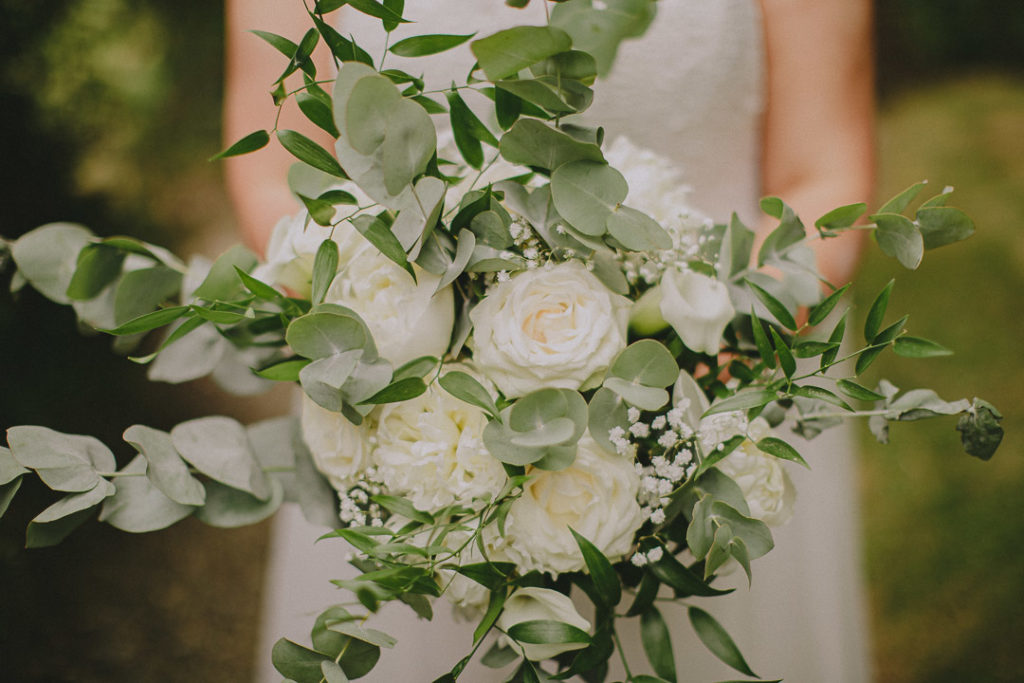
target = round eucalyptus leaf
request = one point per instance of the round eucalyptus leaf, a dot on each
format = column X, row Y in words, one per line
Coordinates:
column 898, row 237
column 409, row 143
column 367, row 110
column 138, row 506
column 607, row 411
column 644, row 397
column 167, row 471
column 218, row 447
column 320, row 335
column 647, row 362
column 65, row 462
column 586, row 192
column 637, row 231
column 48, row 256
column 228, row 507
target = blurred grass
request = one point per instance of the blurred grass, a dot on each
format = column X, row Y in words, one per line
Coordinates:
column 944, row 531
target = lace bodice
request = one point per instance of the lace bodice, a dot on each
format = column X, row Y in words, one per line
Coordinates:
column 697, row 71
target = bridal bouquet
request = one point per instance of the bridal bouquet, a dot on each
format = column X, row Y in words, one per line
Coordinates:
column 527, row 366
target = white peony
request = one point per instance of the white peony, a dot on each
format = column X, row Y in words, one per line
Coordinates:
column 596, row 496
column 556, row 326
column 762, row 477
column 407, row 319
column 541, row 604
column 340, row 449
column 697, row 307
column 430, row 450
column 291, row 252
column 468, row 598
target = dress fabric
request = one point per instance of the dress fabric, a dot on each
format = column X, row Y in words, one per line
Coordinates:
column 697, row 76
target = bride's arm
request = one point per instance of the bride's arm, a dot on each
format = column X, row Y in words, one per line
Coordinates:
column 256, row 182
column 819, row 121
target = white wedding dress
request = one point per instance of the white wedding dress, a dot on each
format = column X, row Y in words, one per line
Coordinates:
column 698, row 73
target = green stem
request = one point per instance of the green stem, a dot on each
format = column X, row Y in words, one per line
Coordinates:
column 622, row 653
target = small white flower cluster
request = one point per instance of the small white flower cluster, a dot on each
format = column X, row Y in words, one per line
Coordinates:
column 656, row 187
column 529, row 247
column 716, row 429
column 355, row 506
column 668, row 469
column 641, row 559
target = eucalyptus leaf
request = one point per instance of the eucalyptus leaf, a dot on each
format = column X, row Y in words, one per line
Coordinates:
column 533, row 143
column 901, row 201
column 228, row 507
column 222, row 282
column 507, row 52
column 166, row 469
column 586, row 192
column 637, row 231
column 65, row 462
column 607, row 410
column 9, row 467
column 218, row 447
column 842, row 217
column 684, row 582
column 48, row 256
column 321, row 335
column 980, row 432
column 643, row 397
column 898, row 237
column 141, row 291
column 943, row 225
column 821, row 310
column 598, row 28
column 138, row 506
column 52, row 525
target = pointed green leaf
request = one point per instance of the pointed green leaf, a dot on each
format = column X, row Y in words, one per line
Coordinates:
column 873, row 321
column 250, row 143
column 785, row 355
column 821, row 310
column 657, row 642
column 774, row 306
column 717, row 640
column 309, row 152
column 916, row 347
column 431, row 44
column 842, row 217
column 764, row 346
column 780, row 449
column 466, row 388
column 507, row 52
column 856, row 391
column 901, row 201
column 606, row 581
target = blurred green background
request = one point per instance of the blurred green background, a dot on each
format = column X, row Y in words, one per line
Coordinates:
column 108, row 109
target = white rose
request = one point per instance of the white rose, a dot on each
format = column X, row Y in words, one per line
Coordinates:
column 697, row 307
column 557, row 326
column 430, row 450
column 291, row 252
column 766, row 485
column 541, row 604
column 407, row 319
column 596, row 496
column 340, row 449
